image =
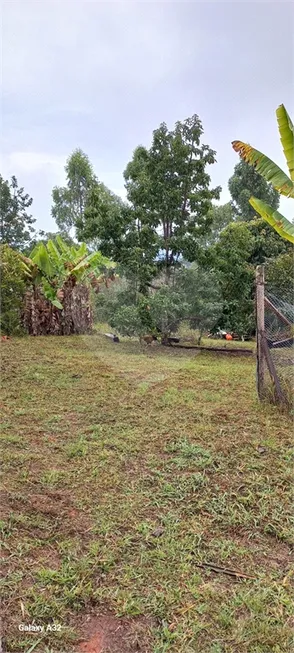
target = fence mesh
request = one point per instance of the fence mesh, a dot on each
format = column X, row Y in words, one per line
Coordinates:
column 279, row 332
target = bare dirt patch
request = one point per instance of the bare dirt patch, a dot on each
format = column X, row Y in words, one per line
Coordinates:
column 109, row 634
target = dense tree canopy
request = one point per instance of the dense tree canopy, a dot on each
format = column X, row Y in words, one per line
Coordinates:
column 244, row 183
column 15, row 222
column 169, row 199
column 168, row 186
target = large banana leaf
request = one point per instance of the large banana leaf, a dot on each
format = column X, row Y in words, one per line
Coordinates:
column 266, row 167
column 82, row 250
column 64, row 248
column 283, row 226
column 92, row 260
column 42, row 259
column 287, row 137
column 55, row 256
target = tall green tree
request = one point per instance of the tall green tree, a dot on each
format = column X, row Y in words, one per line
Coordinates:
column 15, row 222
column 101, row 217
column 244, row 183
column 69, row 202
column 169, row 199
column 169, row 188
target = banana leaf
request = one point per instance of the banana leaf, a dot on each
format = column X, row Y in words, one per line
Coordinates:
column 266, row 168
column 64, row 248
column 283, row 226
column 54, row 254
column 92, row 260
column 287, row 137
column 82, row 250
column 41, row 258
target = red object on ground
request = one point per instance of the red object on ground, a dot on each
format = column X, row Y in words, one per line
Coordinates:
column 229, row 337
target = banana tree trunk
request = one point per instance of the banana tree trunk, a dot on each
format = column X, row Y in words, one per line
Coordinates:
column 40, row 317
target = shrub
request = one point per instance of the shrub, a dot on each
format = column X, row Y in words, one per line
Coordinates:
column 13, row 287
column 126, row 321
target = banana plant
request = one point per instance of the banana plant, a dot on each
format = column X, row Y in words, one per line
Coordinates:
column 283, row 183
column 54, row 264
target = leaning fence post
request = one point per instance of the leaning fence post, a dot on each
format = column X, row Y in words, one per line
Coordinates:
column 261, row 363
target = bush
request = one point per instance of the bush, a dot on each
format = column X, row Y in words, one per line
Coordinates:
column 167, row 307
column 126, row 321
column 193, row 294
column 13, row 287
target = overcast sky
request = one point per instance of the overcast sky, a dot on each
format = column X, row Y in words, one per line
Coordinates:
column 103, row 75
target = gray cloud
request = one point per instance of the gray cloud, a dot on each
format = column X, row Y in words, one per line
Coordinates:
column 102, row 76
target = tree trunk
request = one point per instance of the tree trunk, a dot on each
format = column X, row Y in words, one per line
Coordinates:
column 40, row 317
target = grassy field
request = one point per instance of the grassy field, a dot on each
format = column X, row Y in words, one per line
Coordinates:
column 124, row 469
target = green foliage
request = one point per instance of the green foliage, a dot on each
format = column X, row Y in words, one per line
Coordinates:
column 279, row 275
column 126, row 321
column 230, row 258
column 13, row 287
column 169, row 200
column 147, row 318
column 69, row 202
column 54, row 264
column 244, row 183
column 108, row 301
column 273, row 174
column 15, row 222
column 267, row 242
column 282, row 226
column 203, row 295
column 167, row 306
column 240, row 248
column 169, row 188
column 112, row 225
column 103, row 215
column 126, row 310
column 220, row 217
column 193, row 295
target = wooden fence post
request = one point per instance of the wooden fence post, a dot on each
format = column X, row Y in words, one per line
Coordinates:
column 261, row 363
column 279, row 396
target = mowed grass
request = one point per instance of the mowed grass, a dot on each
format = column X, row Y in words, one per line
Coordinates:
column 126, row 467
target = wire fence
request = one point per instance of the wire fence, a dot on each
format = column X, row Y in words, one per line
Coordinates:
column 275, row 348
